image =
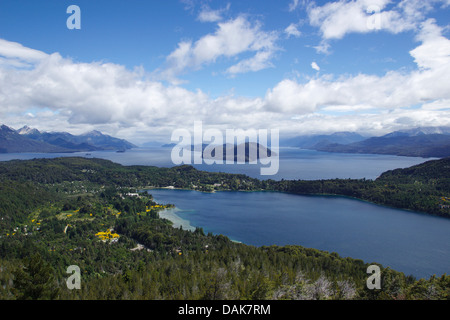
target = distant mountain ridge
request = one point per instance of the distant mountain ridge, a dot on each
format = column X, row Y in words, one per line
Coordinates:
column 27, row 139
column 13, row 142
column 311, row 141
column 418, row 142
column 419, row 132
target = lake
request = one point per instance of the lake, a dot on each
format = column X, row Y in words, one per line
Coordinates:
column 410, row 242
column 294, row 163
column 413, row 243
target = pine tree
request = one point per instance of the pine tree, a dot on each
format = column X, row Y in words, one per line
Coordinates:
column 35, row 280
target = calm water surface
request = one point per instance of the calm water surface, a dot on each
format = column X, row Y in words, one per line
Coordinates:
column 413, row 243
column 409, row 242
column 294, row 163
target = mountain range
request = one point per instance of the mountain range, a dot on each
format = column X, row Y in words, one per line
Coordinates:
column 31, row 140
column 314, row 141
column 417, row 142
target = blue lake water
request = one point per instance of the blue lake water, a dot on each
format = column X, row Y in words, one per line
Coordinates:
column 413, row 243
column 294, row 163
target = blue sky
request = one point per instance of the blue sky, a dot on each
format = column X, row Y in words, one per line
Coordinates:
column 140, row 69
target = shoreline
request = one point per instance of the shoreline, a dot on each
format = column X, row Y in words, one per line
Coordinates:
column 303, row 194
column 384, row 263
column 177, row 221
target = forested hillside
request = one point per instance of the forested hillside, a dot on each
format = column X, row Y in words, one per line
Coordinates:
column 55, row 213
column 424, row 187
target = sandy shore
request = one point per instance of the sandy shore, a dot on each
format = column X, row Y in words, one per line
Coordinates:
column 171, row 215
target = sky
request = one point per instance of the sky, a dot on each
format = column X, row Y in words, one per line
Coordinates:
column 141, row 69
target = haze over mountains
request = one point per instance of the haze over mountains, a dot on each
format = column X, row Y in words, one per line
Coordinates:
column 32, row 140
column 417, row 142
column 313, row 141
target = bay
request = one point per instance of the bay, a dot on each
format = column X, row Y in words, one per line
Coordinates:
column 413, row 243
column 410, row 242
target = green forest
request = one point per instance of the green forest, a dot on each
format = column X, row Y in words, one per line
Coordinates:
column 95, row 214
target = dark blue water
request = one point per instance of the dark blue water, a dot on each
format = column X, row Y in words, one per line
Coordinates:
column 413, row 243
column 294, row 163
column 409, row 242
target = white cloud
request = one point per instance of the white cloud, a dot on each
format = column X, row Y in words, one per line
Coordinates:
column 396, row 89
column 260, row 61
column 435, row 50
column 391, row 91
column 10, row 49
column 290, row 97
column 292, row 30
column 338, row 18
column 64, row 94
column 293, row 5
column 15, row 54
column 209, row 15
column 315, row 66
column 323, row 47
column 231, row 39
column 109, row 96
column 369, row 123
column 441, row 104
